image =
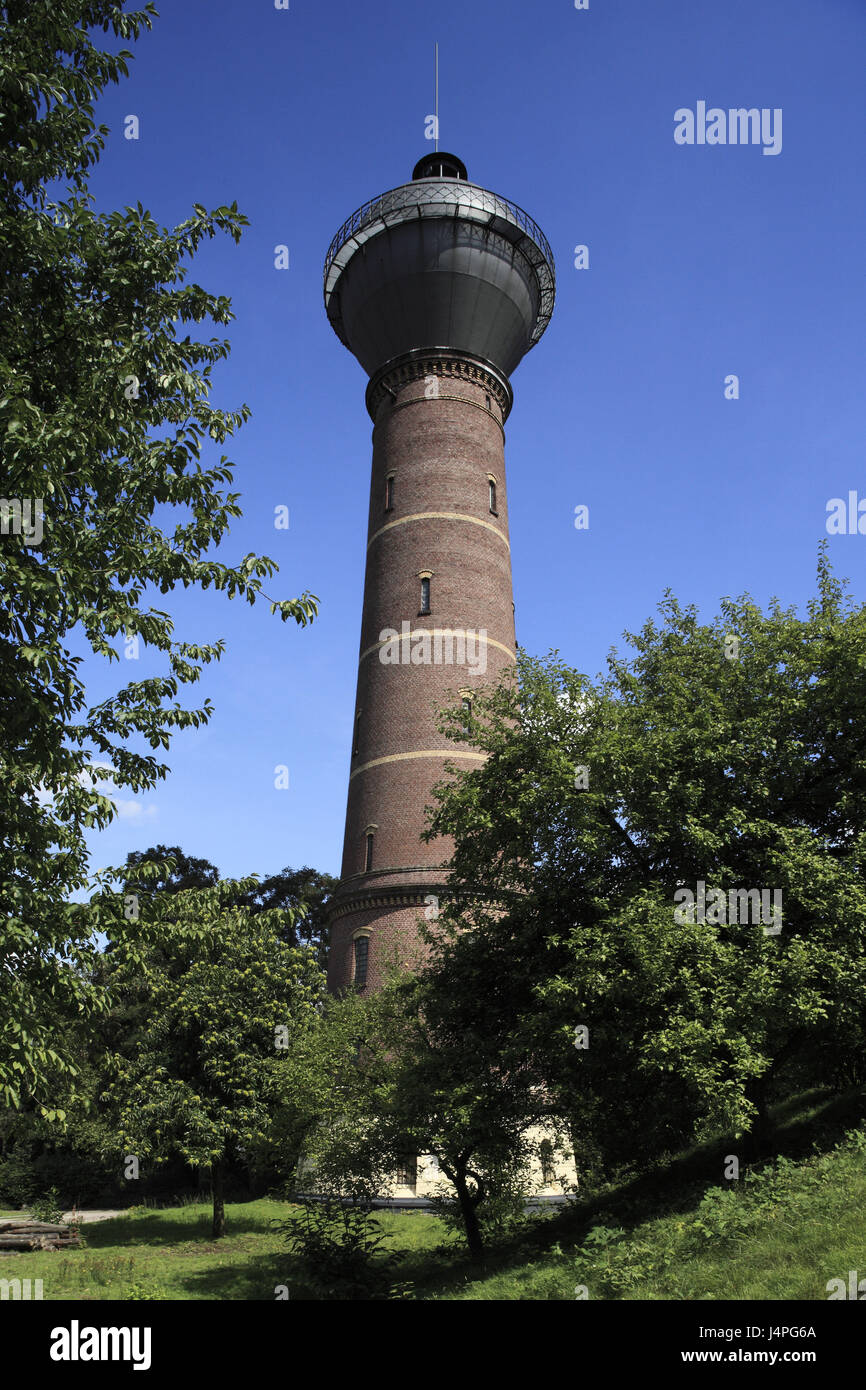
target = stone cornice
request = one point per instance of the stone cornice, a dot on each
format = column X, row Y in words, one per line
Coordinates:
column 396, row 896
column 438, row 362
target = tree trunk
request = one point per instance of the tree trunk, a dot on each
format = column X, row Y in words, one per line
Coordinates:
column 470, row 1219
column 219, row 1210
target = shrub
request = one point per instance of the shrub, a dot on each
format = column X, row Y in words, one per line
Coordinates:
column 339, row 1247
column 47, row 1207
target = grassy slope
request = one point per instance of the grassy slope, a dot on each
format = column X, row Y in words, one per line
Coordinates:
column 780, row 1232
column 782, row 1237
column 680, row 1234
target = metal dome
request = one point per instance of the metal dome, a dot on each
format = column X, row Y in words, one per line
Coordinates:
column 439, row 263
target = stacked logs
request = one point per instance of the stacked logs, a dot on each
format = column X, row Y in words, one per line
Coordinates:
column 37, row 1235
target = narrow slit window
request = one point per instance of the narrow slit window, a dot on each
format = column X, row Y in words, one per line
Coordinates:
column 491, row 494
column 362, row 955
column 548, row 1172
column 389, row 493
column 425, row 595
column 357, row 733
column 487, row 399
column 467, row 714
column 368, row 855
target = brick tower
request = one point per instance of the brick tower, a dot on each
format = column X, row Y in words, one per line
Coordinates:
column 438, row 287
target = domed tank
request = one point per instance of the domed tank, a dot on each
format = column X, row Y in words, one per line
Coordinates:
column 439, row 263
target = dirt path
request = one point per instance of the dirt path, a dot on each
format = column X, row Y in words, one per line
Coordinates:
column 83, row 1218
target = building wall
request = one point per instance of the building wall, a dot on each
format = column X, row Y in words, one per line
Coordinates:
column 429, row 1178
column 441, row 450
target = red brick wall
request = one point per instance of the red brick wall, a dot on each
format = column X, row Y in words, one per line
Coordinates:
column 441, row 451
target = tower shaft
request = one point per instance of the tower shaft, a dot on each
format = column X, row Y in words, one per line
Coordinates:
column 437, row 538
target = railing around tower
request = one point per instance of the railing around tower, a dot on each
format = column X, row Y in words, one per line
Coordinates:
column 452, row 197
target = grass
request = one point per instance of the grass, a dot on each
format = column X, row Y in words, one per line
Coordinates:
column 165, row 1254
column 781, row 1234
column 681, row 1232
column 782, row 1231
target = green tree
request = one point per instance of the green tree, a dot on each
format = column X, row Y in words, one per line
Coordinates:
column 404, row 1073
column 731, row 753
column 447, row 1089
column 105, row 416
column 296, row 888
column 297, row 895
column 203, row 1081
column 181, row 870
column 161, row 869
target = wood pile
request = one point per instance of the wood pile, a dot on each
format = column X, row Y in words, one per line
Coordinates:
column 37, row 1235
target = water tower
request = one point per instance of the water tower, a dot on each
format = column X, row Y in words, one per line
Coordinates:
column 438, row 287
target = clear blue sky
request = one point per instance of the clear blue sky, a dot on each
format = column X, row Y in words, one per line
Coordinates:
column 704, row 261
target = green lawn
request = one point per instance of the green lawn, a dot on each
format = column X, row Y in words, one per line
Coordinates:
column 168, row 1253
column 679, row 1233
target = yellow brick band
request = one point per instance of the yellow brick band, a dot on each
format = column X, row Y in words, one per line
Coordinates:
column 422, row 753
column 441, row 516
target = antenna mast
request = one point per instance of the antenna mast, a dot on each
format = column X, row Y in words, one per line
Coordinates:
column 436, row 95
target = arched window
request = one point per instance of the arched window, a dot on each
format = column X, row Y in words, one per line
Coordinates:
column 425, row 596
column 491, row 495
column 467, row 714
column 362, row 955
column 368, row 854
column 389, row 493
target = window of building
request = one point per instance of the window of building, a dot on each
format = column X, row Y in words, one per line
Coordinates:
column 467, row 714
column 425, row 596
column 357, row 733
column 362, row 953
column 407, row 1173
column 545, row 1154
column 491, row 494
column 389, row 493
column 368, row 856
column 487, row 399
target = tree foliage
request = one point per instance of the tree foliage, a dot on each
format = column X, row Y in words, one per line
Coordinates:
column 202, row 1080
column 110, row 500
column 738, row 764
column 292, row 889
column 403, row 1074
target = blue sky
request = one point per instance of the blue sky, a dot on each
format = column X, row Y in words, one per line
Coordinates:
column 705, row 261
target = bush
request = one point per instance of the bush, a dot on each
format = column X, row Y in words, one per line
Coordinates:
column 338, row 1245
column 47, row 1207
